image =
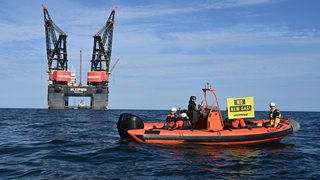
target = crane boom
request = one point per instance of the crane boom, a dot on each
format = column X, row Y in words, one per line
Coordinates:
column 56, row 48
column 101, row 55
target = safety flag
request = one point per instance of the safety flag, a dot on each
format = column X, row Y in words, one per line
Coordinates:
column 242, row 107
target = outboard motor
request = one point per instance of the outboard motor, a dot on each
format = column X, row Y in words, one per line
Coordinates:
column 126, row 122
column 295, row 125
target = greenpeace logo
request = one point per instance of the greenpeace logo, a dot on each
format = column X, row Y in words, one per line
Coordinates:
column 242, row 115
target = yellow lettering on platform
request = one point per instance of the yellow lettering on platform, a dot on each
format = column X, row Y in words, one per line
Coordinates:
column 242, row 107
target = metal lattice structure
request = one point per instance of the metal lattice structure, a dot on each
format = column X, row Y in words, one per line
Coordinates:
column 102, row 46
column 56, row 48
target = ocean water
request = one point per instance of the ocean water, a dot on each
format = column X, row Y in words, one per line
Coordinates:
column 84, row 144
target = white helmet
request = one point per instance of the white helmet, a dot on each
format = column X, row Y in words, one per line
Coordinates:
column 183, row 115
column 272, row 104
column 174, row 109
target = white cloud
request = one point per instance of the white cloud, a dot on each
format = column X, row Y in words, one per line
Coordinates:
column 18, row 33
column 222, row 4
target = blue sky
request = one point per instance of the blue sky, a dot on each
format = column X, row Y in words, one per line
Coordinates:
column 170, row 49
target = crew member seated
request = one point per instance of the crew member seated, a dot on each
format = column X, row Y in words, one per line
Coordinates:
column 274, row 115
column 234, row 123
column 171, row 119
column 238, row 123
column 182, row 122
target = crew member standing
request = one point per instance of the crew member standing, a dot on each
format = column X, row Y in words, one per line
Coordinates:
column 274, row 115
column 193, row 112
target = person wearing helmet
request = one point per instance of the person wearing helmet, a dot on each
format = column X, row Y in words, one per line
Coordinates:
column 193, row 112
column 182, row 120
column 171, row 119
column 274, row 115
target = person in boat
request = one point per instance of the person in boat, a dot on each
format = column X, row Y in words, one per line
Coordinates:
column 193, row 112
column 171, row 119
column 202, row 110
column 234, row 123
column 274, row 115
column 182, row 121
column 238, row 123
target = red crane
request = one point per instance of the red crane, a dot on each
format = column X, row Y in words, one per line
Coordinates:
column 101, row 55
column 56, row 51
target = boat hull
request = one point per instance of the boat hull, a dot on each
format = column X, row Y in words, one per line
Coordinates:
column 254, row 134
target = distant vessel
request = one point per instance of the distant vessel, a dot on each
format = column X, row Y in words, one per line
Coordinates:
column 83, row 105
column 62, row 82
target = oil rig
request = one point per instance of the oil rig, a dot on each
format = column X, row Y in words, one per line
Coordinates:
column 62, row 82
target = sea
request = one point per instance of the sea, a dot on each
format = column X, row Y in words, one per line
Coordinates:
column 85, row 144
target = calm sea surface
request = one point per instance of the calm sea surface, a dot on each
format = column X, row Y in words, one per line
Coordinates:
column 84, row 144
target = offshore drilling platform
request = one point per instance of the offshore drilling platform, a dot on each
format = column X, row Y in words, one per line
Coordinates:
column 62, row 83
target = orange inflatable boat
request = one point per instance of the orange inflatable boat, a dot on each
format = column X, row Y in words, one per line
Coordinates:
column 210, row 129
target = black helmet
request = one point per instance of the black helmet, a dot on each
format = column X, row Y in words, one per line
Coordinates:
column 193, row 98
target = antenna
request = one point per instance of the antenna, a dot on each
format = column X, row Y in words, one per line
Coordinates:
column 80, row 68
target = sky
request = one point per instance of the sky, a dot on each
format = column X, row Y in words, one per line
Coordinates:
column 169, row 50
